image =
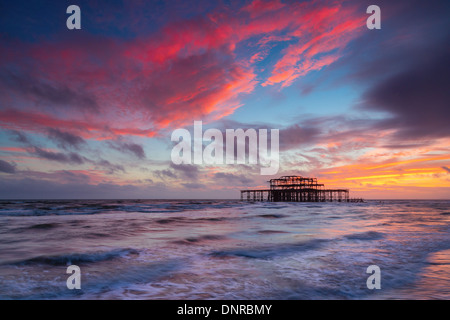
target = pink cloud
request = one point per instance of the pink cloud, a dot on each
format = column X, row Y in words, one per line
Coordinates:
column 102, row 87
column 315, row 52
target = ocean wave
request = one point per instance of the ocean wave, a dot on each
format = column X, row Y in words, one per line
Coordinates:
column 77, row 258
column 271, row 216
column 44, row 226
column 268, row 252
column 212, row 219
column 271, row 231
column 191, row 220
column 369, row 235
column 170, row 220
column 200, row 239
column 233, row 253
column 93, row 285
column 89, row 207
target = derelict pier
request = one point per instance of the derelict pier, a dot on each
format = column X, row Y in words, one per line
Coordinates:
column 297, row 189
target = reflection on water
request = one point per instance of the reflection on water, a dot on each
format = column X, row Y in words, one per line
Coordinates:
column 224, row 249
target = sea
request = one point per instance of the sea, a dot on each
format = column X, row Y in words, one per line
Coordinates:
column 225, row 249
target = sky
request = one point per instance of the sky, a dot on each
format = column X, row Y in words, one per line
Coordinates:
column 89, row 113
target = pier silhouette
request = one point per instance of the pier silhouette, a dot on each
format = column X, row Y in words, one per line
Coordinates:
column 297, row 189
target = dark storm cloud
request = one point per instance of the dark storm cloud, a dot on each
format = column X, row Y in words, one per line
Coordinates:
column 405, row 146
column 405, row 68
column 63, row 175
column 65, row 140
column 233, row 178
column 417, row 98
column 44, row 93
column 19, row 137
column 188, row 171
column 128, row 147
column 446, row 169
column 76, row 188
column 409, row 30
column 110, row 167
column 70, row 157
column 165, row 174
column 297, row 135
column 182, row 171
column 6, row 167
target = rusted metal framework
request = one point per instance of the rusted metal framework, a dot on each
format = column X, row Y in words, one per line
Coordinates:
column 297, row 189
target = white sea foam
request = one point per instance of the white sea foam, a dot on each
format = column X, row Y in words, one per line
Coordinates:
column 224, row 249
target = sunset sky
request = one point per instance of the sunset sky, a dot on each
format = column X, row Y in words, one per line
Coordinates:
column 89, row 113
